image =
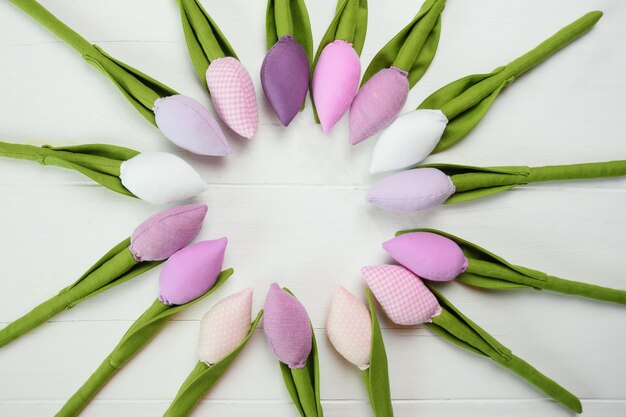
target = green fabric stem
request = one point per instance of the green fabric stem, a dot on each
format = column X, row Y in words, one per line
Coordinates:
column 98, row 162
column 476, row 182
column 376, row 376
column 452, row 325
column 490, row 271
column 289, row 17
column 303, row 385
column 114, row 268
column 138, row 335
column 205, row 40
column 466, row 101
column 141, row 90
column 414, row 47
column 203, row 377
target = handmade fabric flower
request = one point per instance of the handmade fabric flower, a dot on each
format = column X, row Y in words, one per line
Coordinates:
column 399, row 296
column 337, row 68
column 187, row 292
column 394, row 71
column 286, row 68
column 438, row 256
column 354, row 332
column 290, row 336
column 219, row 70
column 155, row 177
column 181, row 119
column 152, row 242
column 431, row 185
column 450, row 113
column 224, row 331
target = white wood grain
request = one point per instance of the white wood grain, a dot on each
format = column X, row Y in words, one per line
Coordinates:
column 292, row 204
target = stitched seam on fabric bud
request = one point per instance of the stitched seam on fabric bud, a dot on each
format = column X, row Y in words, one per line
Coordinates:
column 412, row 198
column 167, row 217
column 201, row 117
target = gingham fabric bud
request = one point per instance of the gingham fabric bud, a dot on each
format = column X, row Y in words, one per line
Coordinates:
column 402, row 295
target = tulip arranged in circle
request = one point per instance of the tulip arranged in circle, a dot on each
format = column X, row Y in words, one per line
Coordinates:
column 153, row 241
column 449, row 114
column 224, row 331
column 196, row 270
column 438, row 256
column 403, row 300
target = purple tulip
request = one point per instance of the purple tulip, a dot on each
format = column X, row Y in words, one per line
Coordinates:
column 166, row 232
column 335, row 82
column 428, row 255
column 191, row 272
column 287, row 327
column 285, row 78
column 189, row 125
column 378, row 103
column 412, row 190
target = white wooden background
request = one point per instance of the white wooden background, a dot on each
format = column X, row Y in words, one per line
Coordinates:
column 292, row 204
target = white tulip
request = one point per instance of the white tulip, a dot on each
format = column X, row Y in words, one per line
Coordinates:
column 160, row 177
column 408, row 140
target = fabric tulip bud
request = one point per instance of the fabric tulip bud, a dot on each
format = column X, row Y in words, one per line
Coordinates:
column 166, row 232
column 349, row 328
column 232, row 93
column 287, row 327
column 428, row 255
column 189, row 124
column 378, row 103
column 285, row 77
column 335, row 82
column 402, row 295
column 408, row 140
column 225, row 326
column 191, row 272
column 161, row 178
column 412, row 190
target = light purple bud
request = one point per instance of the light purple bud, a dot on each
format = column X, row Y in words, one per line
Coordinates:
column 335, row 82
column 285, row 78
column 189, row 125
column 166, row 232
column 412, row 190
column 287, row 327
column 191, row 272
column 378, row 103
column 428, row 255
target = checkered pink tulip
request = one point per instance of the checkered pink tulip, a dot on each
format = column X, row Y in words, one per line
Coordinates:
column 429, row 255
column 224, row 327
column 402, row 295
column 287, row 327
column 413, row 190
column 378, row 103
column 335, row 82
column 349, row 328
column 166, row 232
column 191, row 272
column 232, row 93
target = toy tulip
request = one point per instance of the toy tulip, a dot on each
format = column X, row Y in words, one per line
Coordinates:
column 290, row 336
column 354, row 332
column 450, row 113
column 153, row 241
column 219, row 70
column 431, row 185
column 286, row 70
column 404, row 297
column 337, row 68
column 181, row 119
column 155, row 177
column 394, row 71
column 438, row 256
column 194, row 270
column 224, row 331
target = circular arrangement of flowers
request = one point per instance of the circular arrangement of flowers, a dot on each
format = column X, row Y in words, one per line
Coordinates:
column 372, row 100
